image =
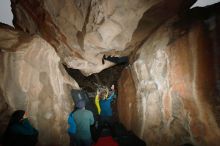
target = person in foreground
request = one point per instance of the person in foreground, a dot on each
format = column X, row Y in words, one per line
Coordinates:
column 19, row 131
column 83, row 119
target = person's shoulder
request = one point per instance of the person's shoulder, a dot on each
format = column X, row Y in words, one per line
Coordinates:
column 88, row 111
column 77, row 111
column 103, row 100
column 70, row 115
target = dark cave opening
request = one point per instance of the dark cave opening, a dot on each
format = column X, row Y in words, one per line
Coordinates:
column 90, row 84
column 106, row 77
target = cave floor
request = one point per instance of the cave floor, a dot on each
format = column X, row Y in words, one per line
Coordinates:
column 119, row 133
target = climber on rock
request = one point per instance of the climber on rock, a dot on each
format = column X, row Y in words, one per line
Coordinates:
column 116, row 60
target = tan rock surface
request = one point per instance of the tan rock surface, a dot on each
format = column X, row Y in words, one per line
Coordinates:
column 83, row 30
column 171, row 86
column 32, row 78
column 167, row 96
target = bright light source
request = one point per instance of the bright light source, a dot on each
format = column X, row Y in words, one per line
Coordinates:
column 203, row 3
column 6, row 15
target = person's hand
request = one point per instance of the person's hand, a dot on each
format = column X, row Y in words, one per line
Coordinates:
column 113, row 87
column 97, row 92
column 25, row 115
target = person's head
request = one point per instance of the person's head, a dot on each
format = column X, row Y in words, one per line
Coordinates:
column 80, row 104
column 17, row 116
column 104, row 93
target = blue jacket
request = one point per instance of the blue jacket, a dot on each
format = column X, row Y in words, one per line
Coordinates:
column 72, row 124
column 105, row 105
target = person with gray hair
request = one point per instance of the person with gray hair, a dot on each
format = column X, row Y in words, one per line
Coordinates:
column 83, row 119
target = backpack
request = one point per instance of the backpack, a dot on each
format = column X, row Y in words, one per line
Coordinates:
column 72, row 124
column 78, row 95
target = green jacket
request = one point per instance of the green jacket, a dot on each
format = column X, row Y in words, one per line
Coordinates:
column 23, row 128
column 83, row 118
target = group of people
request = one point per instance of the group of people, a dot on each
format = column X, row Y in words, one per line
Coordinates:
column 20, row 132
column 80, row 119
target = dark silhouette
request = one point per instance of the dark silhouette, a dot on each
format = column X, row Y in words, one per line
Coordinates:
column 19, row 131
column 117, row 60
column 106, row 138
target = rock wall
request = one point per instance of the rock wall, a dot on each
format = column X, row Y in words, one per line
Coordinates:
column 168, row 92
column 168, row 95
column 32, row 78
column 213, row 24
column 83, row 30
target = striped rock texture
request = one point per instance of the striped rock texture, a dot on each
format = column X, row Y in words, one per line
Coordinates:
column 83, row 30
column 169, row 95
column 32, row 78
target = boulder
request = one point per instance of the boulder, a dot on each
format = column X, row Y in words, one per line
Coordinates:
column 33, row 78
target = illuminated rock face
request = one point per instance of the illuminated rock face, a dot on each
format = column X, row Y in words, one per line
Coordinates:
column 32, row 78
column 83, row 30
column 168, row 94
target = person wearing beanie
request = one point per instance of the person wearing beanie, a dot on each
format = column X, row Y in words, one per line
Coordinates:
column 80, row 104
column 83, row 119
